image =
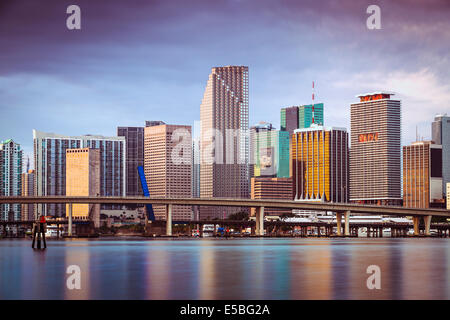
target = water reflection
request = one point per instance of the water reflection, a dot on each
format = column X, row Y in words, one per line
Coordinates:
column 79, row 255
column 227, row 269
column 158, row 277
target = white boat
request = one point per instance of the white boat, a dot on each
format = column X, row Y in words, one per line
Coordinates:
column 51, row 232
column 208, row 230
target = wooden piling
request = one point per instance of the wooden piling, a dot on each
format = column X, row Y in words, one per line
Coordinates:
column 38, row 231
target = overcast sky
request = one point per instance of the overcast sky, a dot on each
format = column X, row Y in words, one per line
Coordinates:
column 149, row 60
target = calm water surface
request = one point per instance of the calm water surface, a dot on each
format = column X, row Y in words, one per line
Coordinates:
column 227, row 269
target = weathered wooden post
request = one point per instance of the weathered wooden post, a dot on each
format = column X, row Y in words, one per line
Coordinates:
column 34, row 230
column 38, row 230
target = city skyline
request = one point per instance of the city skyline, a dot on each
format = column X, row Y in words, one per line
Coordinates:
column 220, row 158
column 97, row 80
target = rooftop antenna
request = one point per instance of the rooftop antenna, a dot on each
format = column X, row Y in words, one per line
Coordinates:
column 417, row 135
column 313, row 101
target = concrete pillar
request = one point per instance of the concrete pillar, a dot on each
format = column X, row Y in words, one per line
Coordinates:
column 69, row 231
column 168, row 219
column 259, row 221
column 427, row 221
column 416, row 225
column 339, row 223
column 347, row 223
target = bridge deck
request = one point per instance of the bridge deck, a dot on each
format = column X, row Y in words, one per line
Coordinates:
column 286, row 204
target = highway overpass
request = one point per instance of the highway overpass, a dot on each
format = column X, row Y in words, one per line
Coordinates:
column 341, row 209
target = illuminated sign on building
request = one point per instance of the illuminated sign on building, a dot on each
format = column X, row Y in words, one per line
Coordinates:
column 377, row 96
column 368, row 137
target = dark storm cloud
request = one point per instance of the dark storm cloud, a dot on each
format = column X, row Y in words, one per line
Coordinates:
column 33, row 36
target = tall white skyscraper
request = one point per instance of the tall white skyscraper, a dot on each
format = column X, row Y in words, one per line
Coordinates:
column 50, row 166
column 224, row 145
column 440, row 132
column 10, row 178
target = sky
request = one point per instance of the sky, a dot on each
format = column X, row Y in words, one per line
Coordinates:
column 149, row 60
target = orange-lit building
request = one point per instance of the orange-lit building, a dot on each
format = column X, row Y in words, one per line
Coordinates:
column 271, row 188
column 319, row 164
column 422, row 175
column 83, row 179
column 27, row 191
column 168, row 166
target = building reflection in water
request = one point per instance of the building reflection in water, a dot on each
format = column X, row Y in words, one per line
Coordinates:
column 426, row 269
column 362, row 254
column 79, row 254
column 313, row 262
column 158, row 272
column 207, row 276
column 228, row 269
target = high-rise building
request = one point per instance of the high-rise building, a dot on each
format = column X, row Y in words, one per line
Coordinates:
column 448, row 195
column 305, row 115
column 10, row 178
column 289, row 119
column 168, row 166
column 196, row 175
column 320, row 164
column 269, row 151
column 83, row 179
column 300, row 117
column 271, row 188
column 196, row 168
column 440, row 134
column 134, row 137
column 28, row 210
column 224, row 144
column 375, row 155
column 422, row 175
column 50, row 166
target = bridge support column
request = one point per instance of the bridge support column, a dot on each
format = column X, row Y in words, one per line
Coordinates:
column 259, row 221
column 427, row 221
column 416, row 225
column 339, row 223
column 69, row 231
column 347, row 223
column 168, row 219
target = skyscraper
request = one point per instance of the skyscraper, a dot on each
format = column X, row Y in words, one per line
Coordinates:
column 440, row 134
column 422, row 175
column 28, row 210
column 269, row 151
column 448, row 195
column 168, row 166
column 305, row 115
column 271, row 188
column 375, row 160
column 10, row 178
column 196, row 168
column 320, row 164
column 224, row 145
column 300, row 117
column 289, row 119
column 134, row 137
column 50, row 166
column 83, row 179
